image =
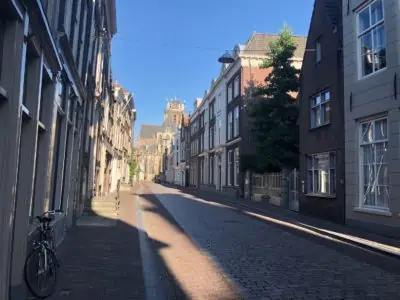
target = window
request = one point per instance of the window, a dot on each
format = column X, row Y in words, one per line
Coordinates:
column 212, row 112
column 56, row 163
column 229, row 125
column 211, row 170
column 202, row 142
column 230, row 169
column 371, row 38
column 236, row 167
column 211, row 137
column 321, row 174
column 318, row 51
column 320, row 109
column 374, row 178
column 257, row 181
column 214, row 135
column 66, row 154
column 236, row 90
column 2, row 34
column 202, row 170
column 230, row 92
column 219, row 130
column 236, row 122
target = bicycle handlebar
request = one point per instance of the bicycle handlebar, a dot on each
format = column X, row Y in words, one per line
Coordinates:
column 47, row 219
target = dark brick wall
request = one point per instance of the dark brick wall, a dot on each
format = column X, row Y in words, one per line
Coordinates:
column 327, row 74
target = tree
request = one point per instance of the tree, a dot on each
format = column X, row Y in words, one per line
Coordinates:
column 274, row 118
column 132, row 165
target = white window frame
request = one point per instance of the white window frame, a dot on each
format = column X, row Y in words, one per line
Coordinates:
column 315, row 169
column 321, row 106
column 229, row 167
column 236, row 87
column 236, row 167
column 236, row 122
column 230, row 116
column 376, row 186
column 230, row 92
column 370, row 29
column 211, row 170
column 219, row 130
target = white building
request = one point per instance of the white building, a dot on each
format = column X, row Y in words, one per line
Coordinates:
column 219, row 126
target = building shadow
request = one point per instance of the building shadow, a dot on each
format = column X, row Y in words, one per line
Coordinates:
column 105, row 261
column 102, row 260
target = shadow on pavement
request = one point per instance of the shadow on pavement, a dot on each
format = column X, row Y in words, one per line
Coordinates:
column 103, row 261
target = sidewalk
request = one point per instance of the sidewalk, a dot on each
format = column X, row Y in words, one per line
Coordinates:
column 322, row 228
column 103, row 261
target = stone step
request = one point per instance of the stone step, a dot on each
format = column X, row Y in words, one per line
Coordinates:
column 101, row 209
column 101, row 214
column 101, row 204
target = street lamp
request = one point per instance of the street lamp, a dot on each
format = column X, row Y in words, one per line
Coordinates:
column 226, row 58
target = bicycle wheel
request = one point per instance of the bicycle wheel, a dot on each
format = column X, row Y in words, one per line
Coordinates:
column 40, row 278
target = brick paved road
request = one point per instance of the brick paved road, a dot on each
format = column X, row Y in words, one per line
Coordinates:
column 269, row 262
column 102, row 263
column 193, row 274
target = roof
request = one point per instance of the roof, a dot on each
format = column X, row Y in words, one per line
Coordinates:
column 258, row 44
column 148, row 131
column 333, row 10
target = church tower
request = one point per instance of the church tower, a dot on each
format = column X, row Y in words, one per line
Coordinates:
column 173, row 113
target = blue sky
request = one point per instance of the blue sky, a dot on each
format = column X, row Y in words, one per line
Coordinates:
column 168, row 48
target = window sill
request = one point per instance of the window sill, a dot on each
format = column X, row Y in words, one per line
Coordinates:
column 41, row 126
column 3, row 93
column 321, row 196
column 373, row 211
column 372, row 74
column 320, row 126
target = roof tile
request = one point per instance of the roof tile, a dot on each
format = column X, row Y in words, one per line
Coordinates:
column 258, row 44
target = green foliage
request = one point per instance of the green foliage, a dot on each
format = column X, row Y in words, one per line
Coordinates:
column 132, row 165
column 274, row 119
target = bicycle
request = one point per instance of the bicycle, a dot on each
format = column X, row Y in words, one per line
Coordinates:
column 41, row 264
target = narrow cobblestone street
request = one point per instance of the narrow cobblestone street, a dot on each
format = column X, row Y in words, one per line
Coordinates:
column 267, row 262
column 172, row 245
